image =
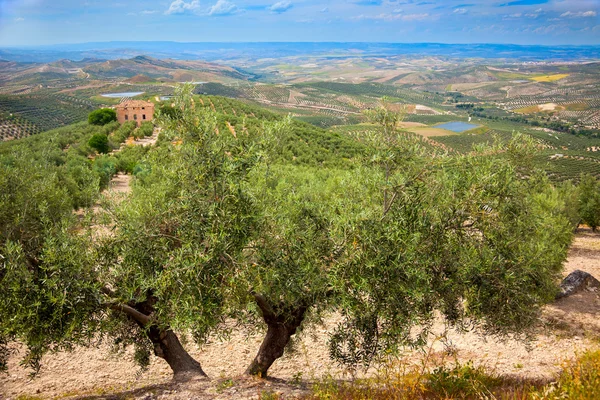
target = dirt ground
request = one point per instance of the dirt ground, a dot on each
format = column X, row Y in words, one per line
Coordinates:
column 431, row 132
column 572, row 326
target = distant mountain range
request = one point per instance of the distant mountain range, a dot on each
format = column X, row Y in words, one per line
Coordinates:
column 139, row 69
column 254, row 51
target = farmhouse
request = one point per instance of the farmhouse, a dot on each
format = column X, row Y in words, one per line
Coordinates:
column 135, row 110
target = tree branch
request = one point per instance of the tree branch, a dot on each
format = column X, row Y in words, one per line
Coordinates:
column 137, row 316
column 263, row 304
column 132, row 312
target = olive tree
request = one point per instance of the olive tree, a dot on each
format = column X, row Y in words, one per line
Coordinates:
column 99, row 142
column 48, row 290
column 589, row 201
column 153, row 262
column 102, row 116
column 471, row 237
column 177, row 238
column 285, row 275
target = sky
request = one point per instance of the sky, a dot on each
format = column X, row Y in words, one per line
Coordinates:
column 547, row 22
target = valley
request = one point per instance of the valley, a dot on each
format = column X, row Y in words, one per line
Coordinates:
column 398, row 219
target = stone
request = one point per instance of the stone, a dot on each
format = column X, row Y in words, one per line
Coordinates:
column 575, row 282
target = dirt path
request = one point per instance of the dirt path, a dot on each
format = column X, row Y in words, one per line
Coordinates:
column 120, row 182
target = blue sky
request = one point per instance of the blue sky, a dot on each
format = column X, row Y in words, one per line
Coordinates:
column 39, row 22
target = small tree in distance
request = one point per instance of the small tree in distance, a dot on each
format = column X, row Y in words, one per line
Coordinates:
column 589, row 201
column 99, row 142
column 102, row 116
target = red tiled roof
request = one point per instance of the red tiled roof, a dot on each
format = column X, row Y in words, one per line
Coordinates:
column 135, row 103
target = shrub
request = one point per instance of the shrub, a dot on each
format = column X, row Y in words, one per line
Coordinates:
column 102, row 116
column 170, row 112
column 105, row 167
column 580, row 379
column 146, row 129
column 589, row 201
column 99, row 142
column 121, row 134
column 129, row 157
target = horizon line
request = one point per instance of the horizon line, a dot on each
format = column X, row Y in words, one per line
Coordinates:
column 297, row 42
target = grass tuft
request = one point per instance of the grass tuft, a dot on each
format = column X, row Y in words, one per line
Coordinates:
column 580, row 380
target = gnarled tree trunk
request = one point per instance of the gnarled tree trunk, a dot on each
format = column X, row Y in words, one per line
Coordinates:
column 168, row 347
column 281, row 325
column 166, row 344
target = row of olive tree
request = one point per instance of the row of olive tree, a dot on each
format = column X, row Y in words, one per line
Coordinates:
column 215, row 230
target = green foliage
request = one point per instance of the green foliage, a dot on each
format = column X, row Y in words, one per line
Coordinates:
column 4, row 353
column 146, row 128
column 464, row 213
column 579, row 380
column 129, row 157
column 231, row 209
column 99, row 142
column 45, row 296
column 589, row 201
column 33, row 113
column 105, row 167
column 185, row 224
column 169, row 111
column 81, row 181
column 461, row 381
column 123, row 132
column 102, row 116
column 294, row 241
column 569, row 194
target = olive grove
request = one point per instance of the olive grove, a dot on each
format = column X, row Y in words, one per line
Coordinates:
column 219, row 227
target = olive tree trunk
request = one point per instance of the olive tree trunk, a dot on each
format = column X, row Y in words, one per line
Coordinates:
column 168, row 347
column 166, row 344
column 280, row 328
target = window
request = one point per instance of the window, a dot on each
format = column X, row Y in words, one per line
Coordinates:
column 126, row 117
column 135, row 116
column 143, row 108
column 144, row 116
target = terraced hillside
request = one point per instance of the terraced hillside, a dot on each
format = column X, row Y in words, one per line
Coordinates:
column 25, row 115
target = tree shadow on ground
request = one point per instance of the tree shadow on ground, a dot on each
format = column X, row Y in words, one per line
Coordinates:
column 242, row 387
column 145, row 392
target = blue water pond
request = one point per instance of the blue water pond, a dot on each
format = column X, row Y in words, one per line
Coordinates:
column 458, row 127
column 122, row 94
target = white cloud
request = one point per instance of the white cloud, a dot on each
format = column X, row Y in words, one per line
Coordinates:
column 223, row 7
column 181, row 7
column 460, row 11
column 416, row 17
column 19, row 19
column 325, row 9
column 281, row 6
column 148, row 12
column 395, row 17
column 579, row 14
column 554, row 29
column 533, row 15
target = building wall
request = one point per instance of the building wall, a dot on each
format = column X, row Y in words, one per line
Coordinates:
column 138, row 114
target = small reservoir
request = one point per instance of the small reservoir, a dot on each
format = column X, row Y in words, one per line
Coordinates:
column 457, row 126
column 122, row 94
